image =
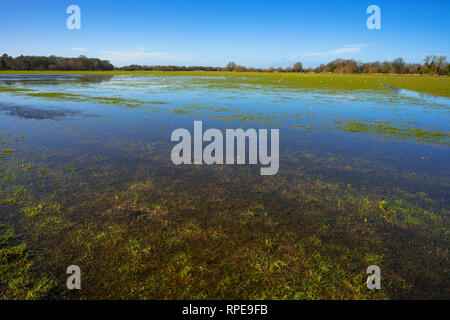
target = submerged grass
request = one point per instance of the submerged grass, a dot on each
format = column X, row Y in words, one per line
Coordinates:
column 218, row 232
column 389, row 131
column 143, row 228
column 56, row 95
column 8, row 89
column 17, row 279
column 85, row 98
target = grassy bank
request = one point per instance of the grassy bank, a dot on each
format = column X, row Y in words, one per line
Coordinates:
column 439, row 86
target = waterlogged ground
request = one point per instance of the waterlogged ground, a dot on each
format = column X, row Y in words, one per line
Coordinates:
column 86, row 179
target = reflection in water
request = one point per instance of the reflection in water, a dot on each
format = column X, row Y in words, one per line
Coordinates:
column 55, row 79
column 35, row 113
column 410, row 93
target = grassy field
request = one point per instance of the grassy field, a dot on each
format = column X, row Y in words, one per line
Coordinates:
column 439, row 86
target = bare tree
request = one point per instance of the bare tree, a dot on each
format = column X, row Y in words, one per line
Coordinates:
column 398, row 65
column 230, row 66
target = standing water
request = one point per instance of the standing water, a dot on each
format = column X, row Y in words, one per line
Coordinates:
column 363, row 180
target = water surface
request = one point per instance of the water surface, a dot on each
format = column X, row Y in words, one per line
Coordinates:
column 362, row 171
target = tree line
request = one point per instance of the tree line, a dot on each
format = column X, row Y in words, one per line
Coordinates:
column 53, row 63
column 432, row 64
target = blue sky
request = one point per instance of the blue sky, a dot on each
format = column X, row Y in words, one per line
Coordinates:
column 252, row 33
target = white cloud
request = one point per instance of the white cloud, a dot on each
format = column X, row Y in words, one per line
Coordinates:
column 352, row 48
column 142, row 57
column 80, row 49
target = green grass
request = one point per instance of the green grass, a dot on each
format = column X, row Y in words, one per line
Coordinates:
column 390, row 131
column 6, row 89
column 56, row 95
column 132, row 103
column 17, row 279
column 439, row 86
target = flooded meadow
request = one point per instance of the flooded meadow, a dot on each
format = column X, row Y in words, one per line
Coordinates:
column 86, row 179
